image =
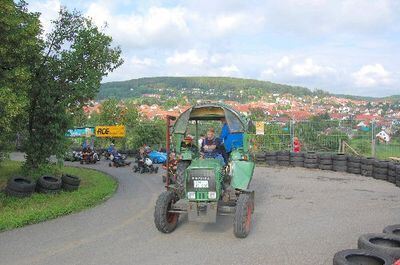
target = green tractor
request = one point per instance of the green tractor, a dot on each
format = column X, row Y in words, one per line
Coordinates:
column 203, row 188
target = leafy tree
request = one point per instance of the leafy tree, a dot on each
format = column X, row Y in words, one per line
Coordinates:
column 19, row 48
column 73, row 59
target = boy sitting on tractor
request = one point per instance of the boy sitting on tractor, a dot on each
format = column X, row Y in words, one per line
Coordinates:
column 211, row 147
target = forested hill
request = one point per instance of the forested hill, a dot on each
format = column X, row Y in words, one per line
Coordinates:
column 198, row 88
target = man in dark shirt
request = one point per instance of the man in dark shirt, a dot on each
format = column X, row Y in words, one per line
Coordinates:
column 210, row 147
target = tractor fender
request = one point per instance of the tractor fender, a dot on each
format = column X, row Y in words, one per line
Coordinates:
column 241, row 172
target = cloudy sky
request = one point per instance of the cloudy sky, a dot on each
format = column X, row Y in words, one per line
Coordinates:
column 343, row 46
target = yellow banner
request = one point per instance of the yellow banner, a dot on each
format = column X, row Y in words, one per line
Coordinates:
column 259, row 128
column 117, row 131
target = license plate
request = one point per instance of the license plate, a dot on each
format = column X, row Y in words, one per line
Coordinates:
column 200, row 184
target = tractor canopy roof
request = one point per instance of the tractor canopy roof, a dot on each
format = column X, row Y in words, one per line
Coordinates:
column 211, row 111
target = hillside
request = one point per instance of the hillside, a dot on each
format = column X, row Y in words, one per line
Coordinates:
column 226, row 88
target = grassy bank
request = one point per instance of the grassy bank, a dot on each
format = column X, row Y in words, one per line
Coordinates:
column 16, row 212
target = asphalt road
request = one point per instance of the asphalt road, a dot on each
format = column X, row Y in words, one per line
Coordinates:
column 302, row 217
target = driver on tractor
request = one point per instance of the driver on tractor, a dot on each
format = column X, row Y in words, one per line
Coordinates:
column 211, row 147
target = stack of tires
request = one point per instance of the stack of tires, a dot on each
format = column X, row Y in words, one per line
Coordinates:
column 270, row 158
column 392, row 172
column 48, row 184
column 20, row 187
column 70, row 182
column 260, row 157
column 310, row 160
column 339, row 163
column 380, row 170
column 398, row 175
column 354, row 164
column 325, row 161
column 283, row 158
column 297, row 159
column 374, row 248
column 367, row 166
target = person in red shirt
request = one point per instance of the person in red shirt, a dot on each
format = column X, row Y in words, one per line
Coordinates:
column 296, row 145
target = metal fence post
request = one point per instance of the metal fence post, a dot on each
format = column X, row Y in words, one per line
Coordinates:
column 373, row 143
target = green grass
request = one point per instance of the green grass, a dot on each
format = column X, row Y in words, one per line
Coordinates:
column 16, row 212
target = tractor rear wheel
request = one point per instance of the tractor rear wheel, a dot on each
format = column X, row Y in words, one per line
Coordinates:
column 242, row 219
column 180, row 175
column 165, row 221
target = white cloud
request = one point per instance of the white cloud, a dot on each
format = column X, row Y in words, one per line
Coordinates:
column 372, row 75
column 230, row 70
column 309, row 68
column 158, row 26
column 191, row 57
column 285, row 61
column 141, row 62
column 49, row 11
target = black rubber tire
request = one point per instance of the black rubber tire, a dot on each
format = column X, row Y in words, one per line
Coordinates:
column 325, row 162
column 270, row 153
column 354, row 164
column 339, row 157
column 325, row 156
column 19, row 194
column 392, row 229
column 339, row 163
column 361, row 257
column 164, row 221
column 283, row 158
column 311, row 161
column 70, row 179
column 260, row 157
column 391, row 179
column 297, row 159
column 354, row 159
column 325, row 167
column 387, row 244
column 297, row 164
column 367, row 167
column 242, row 217
column 47, row 191
column 368, row 161
column 284, row 163
column 339, row 168
column 296, row 154
column 21, row 184
column 283, row 153
column 380, row 170
column 354, row 170
column 379, row 176
column 180, row 173
column 310, row 165
column 69, row 187
column 366, row 173
column 49, row 182
column 272, row 162
column 381, row 163
column 311, row 155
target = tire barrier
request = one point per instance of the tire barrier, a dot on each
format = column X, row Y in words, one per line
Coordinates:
column 380, row 170
column 20, row 187
column 283, row 158
column 270, row 158
column 339, row 162
column 367, row 166
column 310, row 160
column 397, row 175
column 297, row 159
column 354, row 164
column 325, row 161
column 392, row 172
column 384, row 243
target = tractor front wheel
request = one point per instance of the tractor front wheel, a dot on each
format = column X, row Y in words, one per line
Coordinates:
column 242, row 219
column 165, row 221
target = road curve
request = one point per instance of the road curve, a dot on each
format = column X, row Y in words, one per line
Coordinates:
column 301, row 217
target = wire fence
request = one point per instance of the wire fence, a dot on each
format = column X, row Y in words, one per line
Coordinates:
column 345, row 136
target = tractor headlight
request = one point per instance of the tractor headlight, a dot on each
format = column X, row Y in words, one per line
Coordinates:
column 212, row 195
column 191, row 195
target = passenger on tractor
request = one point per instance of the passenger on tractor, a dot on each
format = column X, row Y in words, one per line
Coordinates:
column 211, row 147
column 188, row 143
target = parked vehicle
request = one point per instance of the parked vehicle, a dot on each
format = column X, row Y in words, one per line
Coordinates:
column 157, row 157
